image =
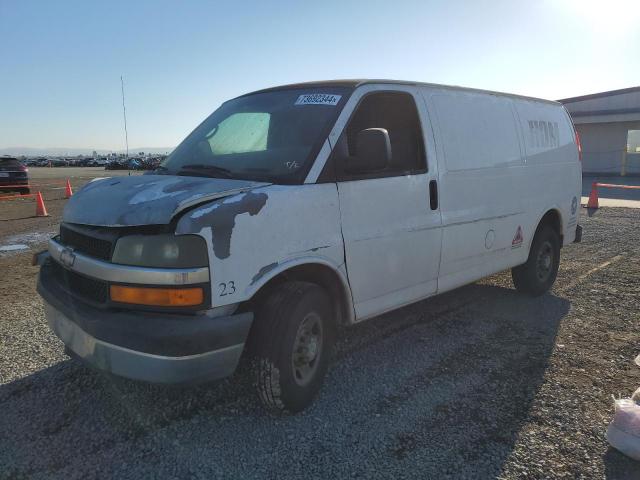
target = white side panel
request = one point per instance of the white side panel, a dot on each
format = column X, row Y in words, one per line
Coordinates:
column 553, row 167
column 481, row 180
column 504, row 162
column 477, row 131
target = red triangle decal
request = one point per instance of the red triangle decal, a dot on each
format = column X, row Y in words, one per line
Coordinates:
column 517, row 240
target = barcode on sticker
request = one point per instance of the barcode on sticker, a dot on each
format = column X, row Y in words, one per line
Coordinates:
column 318, row 99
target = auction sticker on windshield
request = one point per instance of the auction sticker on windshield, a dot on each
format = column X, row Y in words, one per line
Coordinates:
column 318, row 99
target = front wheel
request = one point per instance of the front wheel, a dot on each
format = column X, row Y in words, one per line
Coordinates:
column 537, row 275
column 292, row 341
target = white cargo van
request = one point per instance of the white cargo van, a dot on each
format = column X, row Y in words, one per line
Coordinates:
column 294, row 210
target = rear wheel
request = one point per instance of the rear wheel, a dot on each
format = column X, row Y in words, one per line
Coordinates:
column 292, row 340
column 538, row 274
column 24, row 191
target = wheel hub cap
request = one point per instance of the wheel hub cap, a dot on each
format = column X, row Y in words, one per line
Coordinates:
column 544, row 261
column 307, row 348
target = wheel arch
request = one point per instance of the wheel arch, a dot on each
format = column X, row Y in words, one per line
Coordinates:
column 553, row 217
column 316, row 270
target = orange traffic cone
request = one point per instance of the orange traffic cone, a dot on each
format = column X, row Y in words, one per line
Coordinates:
column 593, row 196
column 41, row 210
column 67, row 191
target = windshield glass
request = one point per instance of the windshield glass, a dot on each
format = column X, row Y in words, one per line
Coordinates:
column 272, row 136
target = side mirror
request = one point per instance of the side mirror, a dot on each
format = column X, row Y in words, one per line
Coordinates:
column 373, row 151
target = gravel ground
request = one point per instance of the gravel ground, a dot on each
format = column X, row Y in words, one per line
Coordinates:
column 478, row 383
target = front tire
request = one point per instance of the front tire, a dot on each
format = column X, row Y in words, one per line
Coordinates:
column 292, row 341
column 538, row 274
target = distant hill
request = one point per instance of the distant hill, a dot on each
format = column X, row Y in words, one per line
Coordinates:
column 72, row 152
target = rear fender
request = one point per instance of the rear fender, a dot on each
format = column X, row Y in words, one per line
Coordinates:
column 539, row 218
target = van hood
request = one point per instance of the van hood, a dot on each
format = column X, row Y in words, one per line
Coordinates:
column 145, row 200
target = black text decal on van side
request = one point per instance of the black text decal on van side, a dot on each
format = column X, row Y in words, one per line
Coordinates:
column 543, row 134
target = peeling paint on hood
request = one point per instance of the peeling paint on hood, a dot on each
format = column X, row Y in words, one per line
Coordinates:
column 145, row 200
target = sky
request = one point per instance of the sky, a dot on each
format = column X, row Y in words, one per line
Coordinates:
column 61, row 60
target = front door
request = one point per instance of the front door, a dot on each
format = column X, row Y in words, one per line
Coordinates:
column 392, row 232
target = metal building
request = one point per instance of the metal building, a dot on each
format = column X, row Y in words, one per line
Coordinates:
column 609, row 128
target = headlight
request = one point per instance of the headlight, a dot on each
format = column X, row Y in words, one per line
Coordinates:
column 162, row 251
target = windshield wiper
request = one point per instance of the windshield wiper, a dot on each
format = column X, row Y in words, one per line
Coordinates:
column 203, row 170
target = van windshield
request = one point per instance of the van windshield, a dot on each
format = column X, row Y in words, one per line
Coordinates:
column 271, row 136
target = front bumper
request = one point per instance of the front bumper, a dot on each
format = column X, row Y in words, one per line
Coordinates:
column 14, row 182
column 143, row 366
column 147, row 346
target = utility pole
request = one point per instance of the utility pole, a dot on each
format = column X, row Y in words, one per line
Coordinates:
column 124, row 113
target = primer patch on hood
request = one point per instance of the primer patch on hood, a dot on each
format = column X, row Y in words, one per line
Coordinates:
column 154, row 192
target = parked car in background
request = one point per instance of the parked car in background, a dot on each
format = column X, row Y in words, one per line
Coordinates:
column 129, row 164
column 14, row 176
column 120, row 164
column 84, row 162
column 135, row 164
column 150, row 163
column 59, row 162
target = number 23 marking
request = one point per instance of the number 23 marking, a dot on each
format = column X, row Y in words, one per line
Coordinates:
column 227, row 288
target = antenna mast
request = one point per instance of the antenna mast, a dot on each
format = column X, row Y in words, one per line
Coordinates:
column 124, row 113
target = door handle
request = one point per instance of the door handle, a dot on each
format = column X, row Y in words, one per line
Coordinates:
column 433, row 194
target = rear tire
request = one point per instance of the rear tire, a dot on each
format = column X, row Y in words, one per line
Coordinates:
column 537, row 275
column 293, row 337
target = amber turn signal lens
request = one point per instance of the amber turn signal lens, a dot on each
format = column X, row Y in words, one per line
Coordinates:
column 161, row 297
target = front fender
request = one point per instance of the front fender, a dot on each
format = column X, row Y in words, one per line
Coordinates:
column 269, row 272
column 255, row 235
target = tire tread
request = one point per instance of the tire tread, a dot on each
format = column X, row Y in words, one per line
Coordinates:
column 273, row 321
column 524, row 276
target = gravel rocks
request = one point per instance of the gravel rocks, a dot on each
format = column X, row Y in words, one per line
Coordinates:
column 478, row 383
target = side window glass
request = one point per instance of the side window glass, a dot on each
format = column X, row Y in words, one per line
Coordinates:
column 396, row 112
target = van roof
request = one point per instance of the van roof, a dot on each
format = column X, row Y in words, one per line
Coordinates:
column 353, row 83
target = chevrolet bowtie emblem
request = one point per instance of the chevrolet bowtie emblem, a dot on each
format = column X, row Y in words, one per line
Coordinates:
column 67, row 257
